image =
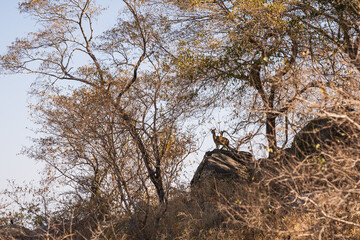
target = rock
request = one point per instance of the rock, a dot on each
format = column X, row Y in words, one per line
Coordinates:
column 223, row 164
column 320, row 134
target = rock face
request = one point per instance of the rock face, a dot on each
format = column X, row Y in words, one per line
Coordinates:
column 318, row 134
column 223, row 164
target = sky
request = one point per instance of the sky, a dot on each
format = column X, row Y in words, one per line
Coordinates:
column 14, row 117
column 15, row 123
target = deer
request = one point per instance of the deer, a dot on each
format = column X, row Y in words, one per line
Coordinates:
column 220, row 140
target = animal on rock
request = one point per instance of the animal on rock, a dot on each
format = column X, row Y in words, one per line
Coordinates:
column 220, row 140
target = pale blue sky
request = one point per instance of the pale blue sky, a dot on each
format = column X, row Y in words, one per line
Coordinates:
column 15, row 124
column 14, row 117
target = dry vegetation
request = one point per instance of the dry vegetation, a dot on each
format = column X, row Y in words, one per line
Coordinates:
column 285, row 76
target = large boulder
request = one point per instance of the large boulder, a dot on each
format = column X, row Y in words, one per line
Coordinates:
column 320, row 134
column 224, row 165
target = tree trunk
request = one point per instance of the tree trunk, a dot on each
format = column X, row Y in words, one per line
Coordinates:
column 155, row 176
column 268, row 101
column 271, row 133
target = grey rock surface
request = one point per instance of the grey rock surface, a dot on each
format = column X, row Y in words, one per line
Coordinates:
column 224, row 164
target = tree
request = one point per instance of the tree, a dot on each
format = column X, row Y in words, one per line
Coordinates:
column 247, row 49
column 332, row 29
column 333, row 24
column 112, row 117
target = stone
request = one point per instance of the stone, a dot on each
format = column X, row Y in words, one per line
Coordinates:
column 224, row 164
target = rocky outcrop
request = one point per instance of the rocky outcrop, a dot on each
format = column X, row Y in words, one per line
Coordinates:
column 223, row 164
column 318, row 135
